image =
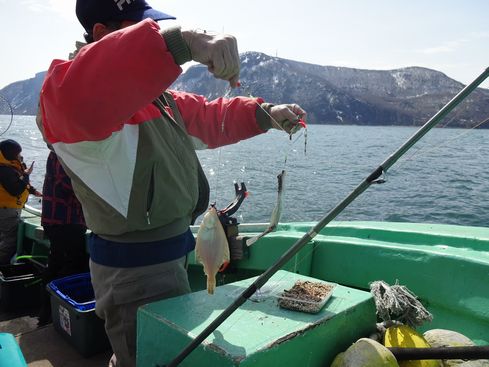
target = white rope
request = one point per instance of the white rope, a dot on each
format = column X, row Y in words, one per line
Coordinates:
column 398, row 303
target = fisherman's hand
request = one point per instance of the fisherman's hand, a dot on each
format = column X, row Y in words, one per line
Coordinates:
column 37, row 194
column 218, row 52
column 287, row 117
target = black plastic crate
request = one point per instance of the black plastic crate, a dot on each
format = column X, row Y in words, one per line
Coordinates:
column 73, row 312
column 20, row 286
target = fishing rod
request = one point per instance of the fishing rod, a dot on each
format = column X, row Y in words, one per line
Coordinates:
column 374, row 177
column 6, row 109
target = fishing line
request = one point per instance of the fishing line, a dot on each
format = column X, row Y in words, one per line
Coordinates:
column 247, row 91
column 6, row 109
column 423, row 151
column 274, row 122
column 277, row 210
column 292, row 141
column 216, row 173
column 419, row 151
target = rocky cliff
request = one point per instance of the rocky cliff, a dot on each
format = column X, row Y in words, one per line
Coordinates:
column 331, row 95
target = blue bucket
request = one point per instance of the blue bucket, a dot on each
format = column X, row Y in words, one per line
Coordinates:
column 76, row 289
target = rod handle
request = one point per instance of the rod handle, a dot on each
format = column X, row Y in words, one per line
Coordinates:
column 468, row 352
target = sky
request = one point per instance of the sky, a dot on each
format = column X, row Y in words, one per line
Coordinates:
column 451, row 36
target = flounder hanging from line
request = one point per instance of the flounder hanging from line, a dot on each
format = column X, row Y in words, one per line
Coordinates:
column 211, row 248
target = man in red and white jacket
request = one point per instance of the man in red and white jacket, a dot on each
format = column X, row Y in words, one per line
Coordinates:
column 128, row 145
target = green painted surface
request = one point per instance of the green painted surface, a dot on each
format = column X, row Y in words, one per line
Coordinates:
column 32, row 242
column 258, row 333
column 446, row 266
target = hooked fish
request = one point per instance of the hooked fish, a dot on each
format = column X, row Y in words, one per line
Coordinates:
column 276, row 213
column 211, row 248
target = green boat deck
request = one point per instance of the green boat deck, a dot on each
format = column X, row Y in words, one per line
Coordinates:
column 446, row 266
column 259, row 333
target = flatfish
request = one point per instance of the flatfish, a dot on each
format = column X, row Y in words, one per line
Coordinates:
column 211, row 249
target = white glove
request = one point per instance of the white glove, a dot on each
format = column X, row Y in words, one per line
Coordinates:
column 218, row 52
column 287, row 117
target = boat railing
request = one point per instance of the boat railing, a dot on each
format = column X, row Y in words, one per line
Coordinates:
column 32, row 210
column 246, row 227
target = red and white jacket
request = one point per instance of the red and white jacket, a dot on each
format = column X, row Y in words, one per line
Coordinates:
column 129, row 148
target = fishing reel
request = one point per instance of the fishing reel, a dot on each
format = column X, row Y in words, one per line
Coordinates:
column 237, row 250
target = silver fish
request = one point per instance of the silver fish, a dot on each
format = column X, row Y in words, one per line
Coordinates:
column 276, row 213
column 211, row 248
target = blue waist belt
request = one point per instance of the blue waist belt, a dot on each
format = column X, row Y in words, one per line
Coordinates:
column 128, row 255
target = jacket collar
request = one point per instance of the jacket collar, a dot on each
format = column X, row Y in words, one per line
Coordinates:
column 13, row 163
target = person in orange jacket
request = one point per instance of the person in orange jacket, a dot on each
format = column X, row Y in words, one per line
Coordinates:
column 14, row 191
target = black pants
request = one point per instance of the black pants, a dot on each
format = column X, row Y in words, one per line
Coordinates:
column 67, row 256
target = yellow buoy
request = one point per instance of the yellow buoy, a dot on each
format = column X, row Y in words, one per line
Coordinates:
column 403, row 336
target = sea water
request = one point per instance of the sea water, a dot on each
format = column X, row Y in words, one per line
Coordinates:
column 444, row 178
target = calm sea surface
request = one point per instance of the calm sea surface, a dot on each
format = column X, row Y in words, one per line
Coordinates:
column 443, row 179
